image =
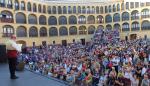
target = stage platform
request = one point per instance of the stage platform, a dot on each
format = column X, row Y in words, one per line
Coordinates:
column 26, row 78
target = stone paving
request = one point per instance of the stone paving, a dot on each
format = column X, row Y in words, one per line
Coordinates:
column 26, row 78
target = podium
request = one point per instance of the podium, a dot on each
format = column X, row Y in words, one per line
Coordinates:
column 3, row 56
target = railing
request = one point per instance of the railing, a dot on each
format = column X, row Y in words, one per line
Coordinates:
column 6, row 20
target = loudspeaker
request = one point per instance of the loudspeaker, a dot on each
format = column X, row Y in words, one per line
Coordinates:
column 3, row 56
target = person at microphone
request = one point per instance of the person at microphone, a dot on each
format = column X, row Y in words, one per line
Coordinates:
column 12, row 53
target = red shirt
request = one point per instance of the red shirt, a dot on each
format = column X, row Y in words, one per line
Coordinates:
column 12, row 54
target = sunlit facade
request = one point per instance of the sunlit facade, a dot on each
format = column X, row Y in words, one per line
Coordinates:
column 39, row 22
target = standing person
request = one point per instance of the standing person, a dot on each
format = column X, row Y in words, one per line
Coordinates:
column 12, row 53
column 134, row 80
column 145, row 81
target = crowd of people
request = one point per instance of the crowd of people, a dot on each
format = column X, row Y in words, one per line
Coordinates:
column 126, row 63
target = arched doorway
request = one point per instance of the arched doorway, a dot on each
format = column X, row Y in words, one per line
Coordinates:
column 21, row 42
column 24, row 47
column 83, row 41
column 64, row 42
column 133, row 36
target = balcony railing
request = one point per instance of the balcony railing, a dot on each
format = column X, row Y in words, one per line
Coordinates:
column 6, row 20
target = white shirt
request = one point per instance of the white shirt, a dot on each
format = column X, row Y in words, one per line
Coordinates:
column 143, row 71
column 128, row 75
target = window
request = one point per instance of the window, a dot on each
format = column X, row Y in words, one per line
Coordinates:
column 39, row 8
column 135, row 26
column 91, row 29
column 106, row 9
column 131, row 5
column 34, row 7
column 29, row 6
column 110, row 8
column 69, row 10
column 118, row 7
column 116, row 17
column 147, row 3
column 73, row 30
column 32, row 19
column 136, row 4
column 83, row 10
column 59, row 10
column 2, row 3
column 88, row 10
column 22, row 5
column 43, row 32
column 33, row 32
column 44, row 9
column 82, row 19
column 63, row 31
column 6, row 16
column 142, row 4
column 93, row 10
column 53, row 31
column 108, row 27
column 145, row 25
column 82, row 30
column 100, row 19
column 145, row 13
column 49, row 9
column 72, row 20
column 117, row 27
column 54, row 10
column 79, row 9
column 127, row 5
column 74, row 9
column 52, row 20
column 101, row 10
column 16, row 5
column 97, row 10
column 125, row 16
column 64, row 10
column 62, row 20
column 134, row 15
column 125, row 27
column 91, row 19
column 108, row 19
column 21, row 31
column 42, row 20
column 8, row 31
column 9, row 4
column 20, row 18
column 114, row 8
column 122, row 6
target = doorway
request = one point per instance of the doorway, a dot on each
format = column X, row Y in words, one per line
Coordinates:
column 73, row 40
column 82, row 41
column 33, row 44
column 21, row 42
column 133, row 36
column 126, row 38
column 53, row 42
column 145, row 37
column 64, row 42
column 44, row 43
